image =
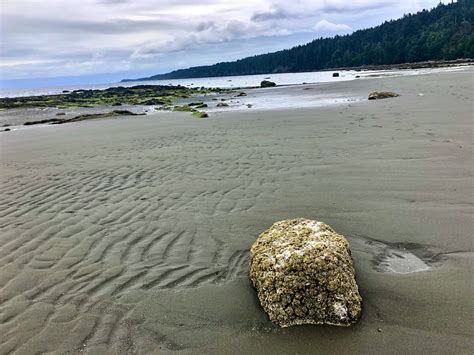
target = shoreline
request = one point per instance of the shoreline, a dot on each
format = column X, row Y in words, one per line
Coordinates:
column 189, row 83
column 430, row 64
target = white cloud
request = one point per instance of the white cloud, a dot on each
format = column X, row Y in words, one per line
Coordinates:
column 326, row 26
column 103, row 36
column 208, row 33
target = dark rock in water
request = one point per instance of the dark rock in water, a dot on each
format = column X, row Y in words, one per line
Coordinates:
column 51, row 120
column 6, row 125
column 126, row 113
column 7, row 130
column 335, row 75
column 378, row 95
column 65, row 91
column 201, row 106
column 267, row 84
column 60, row 114
column 249, row 105
column 240, row 94
column 222, row 104
column 357, row 76
column 303, row 273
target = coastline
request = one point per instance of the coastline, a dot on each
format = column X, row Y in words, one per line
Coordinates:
column 245, row 81
column 430, row 64
column 217, row 101
column 133, row 233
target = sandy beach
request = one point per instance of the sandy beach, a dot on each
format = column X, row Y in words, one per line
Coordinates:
column 131, row 235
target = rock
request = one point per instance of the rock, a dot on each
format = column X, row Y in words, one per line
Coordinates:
column 201, row 106
column 240, row 94
column 335, row 75
column 267, row 84
column 7, row 130
column 357, row 76
column 200, row 114
column 222, row 104
column 60, row 114
column 303, row 273
column 377, row 95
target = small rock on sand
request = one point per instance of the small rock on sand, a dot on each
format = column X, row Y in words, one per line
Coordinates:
column 377, row 95
column 303, row 273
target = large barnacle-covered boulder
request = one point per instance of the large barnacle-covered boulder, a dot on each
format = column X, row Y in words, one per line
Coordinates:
column 303, row 273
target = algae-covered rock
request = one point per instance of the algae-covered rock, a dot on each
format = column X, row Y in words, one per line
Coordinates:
column 303, row 273
column 377, row 95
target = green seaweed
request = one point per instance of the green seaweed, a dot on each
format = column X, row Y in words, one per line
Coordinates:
column 184, row 108
column 115, row 96
column 200, row 114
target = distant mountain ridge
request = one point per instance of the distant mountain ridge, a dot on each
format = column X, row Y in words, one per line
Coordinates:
column 444, row 33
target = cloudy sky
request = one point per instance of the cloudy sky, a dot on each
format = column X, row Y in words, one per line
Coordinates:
column 55, row 42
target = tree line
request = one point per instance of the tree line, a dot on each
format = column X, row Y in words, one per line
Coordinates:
column 443, row 33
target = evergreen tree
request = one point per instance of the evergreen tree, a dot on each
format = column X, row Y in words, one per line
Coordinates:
column 444, row 33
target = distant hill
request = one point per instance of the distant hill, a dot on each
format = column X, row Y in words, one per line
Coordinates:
column 443, row 33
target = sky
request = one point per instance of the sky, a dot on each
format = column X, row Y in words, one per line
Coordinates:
column 61, row 42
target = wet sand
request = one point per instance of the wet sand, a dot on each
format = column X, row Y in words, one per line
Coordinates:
column 132, row 235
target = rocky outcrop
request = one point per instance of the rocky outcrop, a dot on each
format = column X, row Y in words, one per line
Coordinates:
column 267, row 84
column 335, row 75
column 377, row 95
column 303, row 273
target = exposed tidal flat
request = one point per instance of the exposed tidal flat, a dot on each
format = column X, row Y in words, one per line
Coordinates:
column 133, row 234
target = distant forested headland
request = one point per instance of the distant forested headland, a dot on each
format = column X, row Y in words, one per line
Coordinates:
column 443, row 33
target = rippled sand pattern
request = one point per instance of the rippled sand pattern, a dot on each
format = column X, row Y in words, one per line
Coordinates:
column 75, row 235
